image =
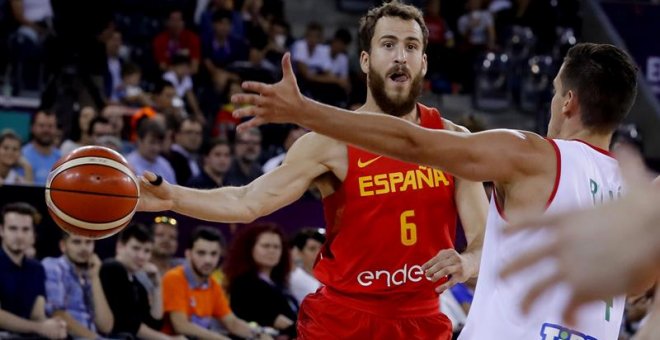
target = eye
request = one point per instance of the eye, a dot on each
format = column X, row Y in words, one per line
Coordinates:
column 388, row 44
column 412, row 46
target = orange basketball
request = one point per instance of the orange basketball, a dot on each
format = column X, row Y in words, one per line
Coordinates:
column 92, row 192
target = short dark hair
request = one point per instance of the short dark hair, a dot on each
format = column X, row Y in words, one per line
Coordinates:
column 300, row 240
column 211, row 144
column 180, row 59
column 46, row 113
column 161, row 85
column 390, row 9
column 97, row 120
column 151, row 126
column 129, row 69
column 344, row 36
column 221, row 14
column 138, row 231
column 205, row 233
column 21, row 208
column 605, row 81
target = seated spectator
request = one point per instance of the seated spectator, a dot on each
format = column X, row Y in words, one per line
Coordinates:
column 166, row 243
column 246, row 167
column 478, row 31
column 222, row 49
column 151, row 135
column 34, row 19
column 183, row 155
column 315, row 65
column 180, row 76
column 22, row 288
column 193, row 300
column 216, row 162
column 136, row 314
column 115, row 66
column 176, row 40
column 256, row 67
column 294, row 132
column 100, row 128
column 225, row 123
column 206, row 19
column 254, row 22
column 73, row 289
column 339, row 57
column 80, row 133
column 279, row 41
column 14, row 169
column 42, row 152
column 257, row 271
column 129, row 91
column 306, row 247
column 116, row 115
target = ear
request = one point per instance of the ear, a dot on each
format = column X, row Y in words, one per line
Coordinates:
column 62, row 248
column 570, row 106
column 364, row 62
column 425, row 64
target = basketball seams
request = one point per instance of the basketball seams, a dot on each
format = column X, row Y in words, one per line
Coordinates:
column 90, row 160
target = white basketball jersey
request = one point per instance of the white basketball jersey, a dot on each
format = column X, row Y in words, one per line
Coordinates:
column 588, row 176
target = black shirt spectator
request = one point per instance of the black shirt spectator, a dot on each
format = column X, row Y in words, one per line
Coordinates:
column 127, row 298
column 20, row 285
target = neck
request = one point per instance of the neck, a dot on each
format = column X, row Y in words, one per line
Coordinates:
column 16, row 258
column 161, row 262
column 85, row 139
column 4, row 170
column 266, row 271
column 370, row 106
column 44, row 150
column 217, row 178
column 596, row 139
column 245, row 165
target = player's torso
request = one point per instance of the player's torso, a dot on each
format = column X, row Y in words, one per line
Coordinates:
column 587, row 178
column 384, row 221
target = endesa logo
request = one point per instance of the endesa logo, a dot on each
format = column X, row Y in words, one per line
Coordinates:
column 395, row 278
column 557, row 332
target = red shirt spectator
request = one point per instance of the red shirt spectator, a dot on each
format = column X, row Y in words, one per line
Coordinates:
column 176, row 39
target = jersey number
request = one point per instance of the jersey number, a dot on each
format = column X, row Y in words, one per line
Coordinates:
column 408, row 229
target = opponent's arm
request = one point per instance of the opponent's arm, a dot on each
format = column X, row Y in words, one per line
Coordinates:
column 268, row 193
column 497, row 155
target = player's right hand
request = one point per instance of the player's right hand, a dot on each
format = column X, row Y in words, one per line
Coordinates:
column 54, row 328
column 154, row 197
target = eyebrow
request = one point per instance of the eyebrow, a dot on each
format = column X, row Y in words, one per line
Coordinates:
column 410, row 38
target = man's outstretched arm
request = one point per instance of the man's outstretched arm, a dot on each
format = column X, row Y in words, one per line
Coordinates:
column 498, row 155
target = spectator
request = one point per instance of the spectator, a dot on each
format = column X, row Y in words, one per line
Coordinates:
column 41, row 152
column 294, row 133
column 165, row 100
column 114, row 73
column 279, row 40
column 12, row 164
column 134, row 313
column 183, row 155
column 306, row 247
column 73, row 289
column 245, row 168
column 193, row 300
column 80, row 133
column 176, row 40
column 22, row 289
column 254, row 23
column 257, row 269
column 206, row 19
column 222, row 49
column 256, row 67
column 217, row 160
column 116, row 114
column 100, row 128
column 225, row 123
column 151, row 135
column 339, row 56
column 478, row 31
column 180, row 76
column 441, row 41
column 310, row 57
column 34, row 20
column 129, row 91
column 166, row 243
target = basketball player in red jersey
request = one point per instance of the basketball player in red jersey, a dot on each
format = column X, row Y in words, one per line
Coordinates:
column 386, row 219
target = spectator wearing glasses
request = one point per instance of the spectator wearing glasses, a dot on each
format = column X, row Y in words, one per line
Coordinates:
column 183, row 153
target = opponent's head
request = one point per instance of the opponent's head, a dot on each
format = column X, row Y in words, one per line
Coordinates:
column 393, row 38
column 594, row 90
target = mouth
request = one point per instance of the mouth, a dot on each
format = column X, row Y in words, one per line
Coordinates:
column 399, row 77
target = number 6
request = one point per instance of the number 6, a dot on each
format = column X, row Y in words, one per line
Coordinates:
column 408, row 229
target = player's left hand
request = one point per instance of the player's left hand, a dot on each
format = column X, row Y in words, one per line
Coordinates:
column 449, row 263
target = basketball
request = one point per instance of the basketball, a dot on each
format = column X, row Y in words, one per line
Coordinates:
column 92, row 192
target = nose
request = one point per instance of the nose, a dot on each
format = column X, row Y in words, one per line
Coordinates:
column 401, row 56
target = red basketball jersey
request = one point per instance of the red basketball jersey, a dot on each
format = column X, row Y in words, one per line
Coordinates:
column 387, row 219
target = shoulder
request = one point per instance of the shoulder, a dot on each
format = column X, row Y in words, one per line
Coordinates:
column 34, row 266
column 52, row 264
column 175, row 275
column 112, row 266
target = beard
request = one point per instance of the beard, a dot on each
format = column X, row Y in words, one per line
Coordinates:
column 43, row 140
column 199, row 272
column 400, row 105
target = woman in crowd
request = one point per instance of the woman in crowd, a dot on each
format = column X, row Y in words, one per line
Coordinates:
column 14, row 169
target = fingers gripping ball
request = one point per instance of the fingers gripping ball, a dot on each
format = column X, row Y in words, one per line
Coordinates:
column 92, row 192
